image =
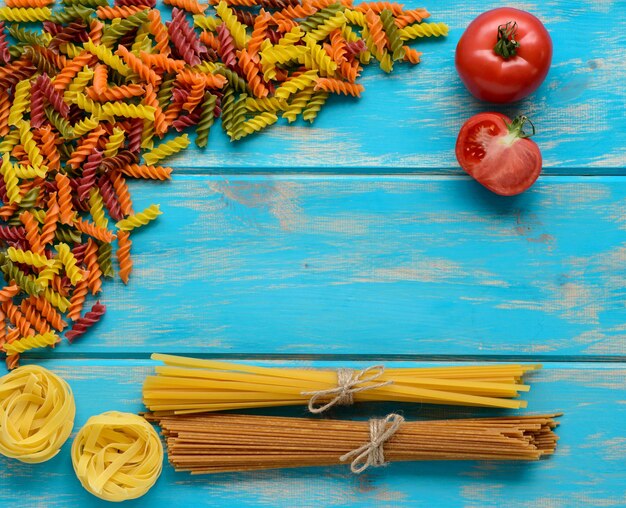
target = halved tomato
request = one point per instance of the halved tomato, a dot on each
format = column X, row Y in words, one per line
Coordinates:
column 498, row 153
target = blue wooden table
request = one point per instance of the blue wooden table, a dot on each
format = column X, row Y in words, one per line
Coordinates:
column 359, row 239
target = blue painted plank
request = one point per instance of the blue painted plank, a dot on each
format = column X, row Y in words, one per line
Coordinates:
column 587, row 470
column 371, row 266
column 408, row 121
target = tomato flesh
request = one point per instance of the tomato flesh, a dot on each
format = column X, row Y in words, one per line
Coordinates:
column 496, row 156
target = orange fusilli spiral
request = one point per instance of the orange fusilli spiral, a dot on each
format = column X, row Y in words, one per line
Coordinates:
column 46, row 309
column 8, row 292
column 77, row 300
column 150, row 99
column 162, row 61
column 94, row 282
column 150, row 172
column 196, row 94
column 16, row 317
column 337, row 47
column 159, row 30
column 114, row 93
column 210, row 40
column 350, row 70
column 121, row 191
column 121, row 11
column 100, row 78
column 410, row 17
column 5, row 109
column 123, row 255
column 32, row 232
column 13, row 361
column 96, row 28
column 49, row 227
column 187, row 5
column 339, row 87
column 135, row 63
column 85, row 148
column 377, row 31
column 89, row 228
column 64, row 196
column 378, row 7
column 411, row 55
column 35, row 319
column 252, row 72
column 69, row 71
column 28, row 3
column 48, row 147
column 259, row 32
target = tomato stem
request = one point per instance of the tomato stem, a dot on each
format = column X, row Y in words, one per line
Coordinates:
column 507, row 46
column 516, row 127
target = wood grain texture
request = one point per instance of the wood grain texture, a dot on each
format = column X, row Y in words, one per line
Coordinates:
column 587, row 469
column 392, row 265
column 254, row 257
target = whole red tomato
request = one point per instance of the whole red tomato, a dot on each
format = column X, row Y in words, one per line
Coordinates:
column 496, row 151
column 504, row 55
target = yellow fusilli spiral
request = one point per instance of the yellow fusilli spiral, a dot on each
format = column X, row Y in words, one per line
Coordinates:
column 332, row 23
column 237, row 30
column 10, row 180
column 105, row 55
column 25, row 14
column 166, row 149
column 256, row 123
column 291, row 37
column 317, row 58
column 128, row 110
column 139, row 219
column 31, row 342
column 21, row 102
column 79, row 83
column 117, row 456
column 298, row 103
column 96, row 208
column 273, row 55
column 37, row 412
column 30, row 146
column 206, row 22
column 355, row 17
column 271, row 104
column 57, row 300
column 27, row 257
column 48, row 273
column 30, row 171
column 84, row 126
column 9, row 141
column 116, row 140
column 64, row 254
column 293, row 85
column 423, row 30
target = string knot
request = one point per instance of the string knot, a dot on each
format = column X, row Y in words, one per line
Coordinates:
column 372, row 453
column 348, row 381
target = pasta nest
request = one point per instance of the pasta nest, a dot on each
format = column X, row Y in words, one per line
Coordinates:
column 117, row 456
column 37, row 412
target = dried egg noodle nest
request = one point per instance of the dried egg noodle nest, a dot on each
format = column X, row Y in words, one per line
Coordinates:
column 117, row 456
column 37, row 412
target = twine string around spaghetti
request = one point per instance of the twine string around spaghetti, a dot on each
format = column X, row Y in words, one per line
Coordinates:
column 373, row 453
column 349, row 382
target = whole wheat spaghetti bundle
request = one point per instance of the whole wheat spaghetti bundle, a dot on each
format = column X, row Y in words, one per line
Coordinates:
column 190, row 385
column 219, row 443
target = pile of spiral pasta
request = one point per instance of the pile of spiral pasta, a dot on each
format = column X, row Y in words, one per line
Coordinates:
column 37, row 412
column 87, row 97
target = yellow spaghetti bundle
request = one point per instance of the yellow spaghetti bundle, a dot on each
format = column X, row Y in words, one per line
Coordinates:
column 36, row 414
column 189, row 385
